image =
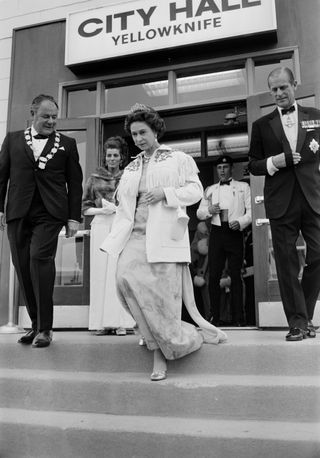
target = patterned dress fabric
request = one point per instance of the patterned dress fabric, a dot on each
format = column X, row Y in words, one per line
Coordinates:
column 153, row 291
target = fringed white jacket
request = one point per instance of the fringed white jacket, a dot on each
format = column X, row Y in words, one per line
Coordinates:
column 167, row 238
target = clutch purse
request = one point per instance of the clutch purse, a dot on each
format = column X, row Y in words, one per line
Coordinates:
column 180, row 225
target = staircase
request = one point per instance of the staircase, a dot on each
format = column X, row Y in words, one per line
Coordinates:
column 255, row 396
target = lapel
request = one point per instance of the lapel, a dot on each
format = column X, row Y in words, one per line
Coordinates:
column 302, row 116
column 276, row 125
column 28, row 150
column 215, row 195
column 235, row 191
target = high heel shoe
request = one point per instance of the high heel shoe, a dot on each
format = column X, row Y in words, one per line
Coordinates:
column 121, row 332
column 156, row 376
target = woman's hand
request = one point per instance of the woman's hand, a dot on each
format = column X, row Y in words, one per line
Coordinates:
column 155, row 195
column 214, row 209
column 108, row 207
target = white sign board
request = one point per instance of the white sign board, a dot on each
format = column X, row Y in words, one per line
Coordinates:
column 148, row 25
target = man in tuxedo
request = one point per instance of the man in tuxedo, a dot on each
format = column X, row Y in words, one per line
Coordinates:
column 228, row 205
column 285, row 149
column 41, row 177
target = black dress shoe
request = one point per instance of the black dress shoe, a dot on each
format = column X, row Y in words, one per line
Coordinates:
column 27, row 339
column 311, row 330
column 43, row 339
column 296, row 334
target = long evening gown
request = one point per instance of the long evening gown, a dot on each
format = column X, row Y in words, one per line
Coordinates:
column 105, row 310
column 153, row 291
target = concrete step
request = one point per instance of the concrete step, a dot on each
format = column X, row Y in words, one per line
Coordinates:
column 47, row 434
column 246, row 352
column 254, row 396
column 244, row 397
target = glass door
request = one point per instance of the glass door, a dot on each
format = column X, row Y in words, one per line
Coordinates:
column 267, row 295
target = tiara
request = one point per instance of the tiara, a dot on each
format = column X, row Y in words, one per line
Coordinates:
column 140, row 107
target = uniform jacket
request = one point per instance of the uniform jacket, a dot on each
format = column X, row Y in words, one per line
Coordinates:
column 59, row 184
column 240, row 209
column 167, row 238
column 268, row 139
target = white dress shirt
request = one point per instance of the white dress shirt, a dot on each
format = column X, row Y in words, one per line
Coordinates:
column 236, row 198
column 37, row 144
column 225, row 197
column 290, row 126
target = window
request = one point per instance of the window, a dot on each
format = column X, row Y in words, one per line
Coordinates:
column 69, row 261
column 191, row 146
column 236, row 145
column 219, row 85
column 81, row 103
column 216, row 80
column 123, row 97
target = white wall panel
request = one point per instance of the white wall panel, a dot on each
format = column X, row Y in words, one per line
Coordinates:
column 3, row 110
column 5, row 64
column 22, row 13
column 5, row 48
column 4, row 88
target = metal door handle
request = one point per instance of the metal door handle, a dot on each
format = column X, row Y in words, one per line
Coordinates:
column 259, row 199
column 261, row 221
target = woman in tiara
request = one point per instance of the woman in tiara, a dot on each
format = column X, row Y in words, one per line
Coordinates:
column 150, row 234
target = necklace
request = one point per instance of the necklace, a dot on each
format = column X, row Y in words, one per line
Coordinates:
column 43, row 159
column 147, row 158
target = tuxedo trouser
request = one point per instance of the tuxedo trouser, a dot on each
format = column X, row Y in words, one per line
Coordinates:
column 298, row 297
column 226, row 244
column 33, row 243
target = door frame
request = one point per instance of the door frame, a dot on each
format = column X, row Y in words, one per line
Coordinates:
column 269, row 310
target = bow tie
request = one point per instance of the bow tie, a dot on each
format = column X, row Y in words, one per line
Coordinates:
column 41, row 137
column 288, row 110
column 225, row 183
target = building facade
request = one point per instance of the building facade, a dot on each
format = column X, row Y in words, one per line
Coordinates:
column 202, row 64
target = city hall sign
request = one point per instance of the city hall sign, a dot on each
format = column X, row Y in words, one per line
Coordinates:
column 147, row 25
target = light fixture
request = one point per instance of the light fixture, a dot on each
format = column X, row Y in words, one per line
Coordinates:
column 196, row 83
column 231, row 119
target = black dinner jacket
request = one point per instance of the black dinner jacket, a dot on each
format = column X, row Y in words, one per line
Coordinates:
column 59, row 184
column 268, row 139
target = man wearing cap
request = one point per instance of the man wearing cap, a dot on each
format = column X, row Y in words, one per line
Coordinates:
column 228, row 204
column 285, row 149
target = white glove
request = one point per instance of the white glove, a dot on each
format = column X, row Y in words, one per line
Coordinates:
column 108, row 207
